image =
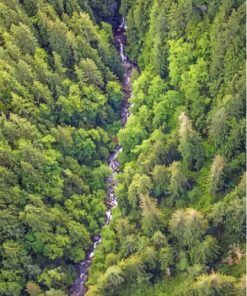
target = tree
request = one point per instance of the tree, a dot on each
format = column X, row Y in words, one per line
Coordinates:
column 131, row 136
column 112, row 280
column 152, row 217
column 205, row 252
column 165, row 258
column 133, row 270
column 33, row 289
column 188, row 226
column 52, row 277
column 56, row 33
column 123, row 228
column 129, row 246
column 190, row 144
column 179, row 59
column 214, row 284
column 229, row 214
column 217, row 174
column 159, row 240
column 111, row 259
column 90, row 72
column 161, row 179
column 115, row 94
column 150, row 258
column 178, row 181
column 24, row 38
column 164, row 109
column 219, row 127
column 140, row 185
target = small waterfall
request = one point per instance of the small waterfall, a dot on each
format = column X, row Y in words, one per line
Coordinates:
column 123, row 57
column 123, row 24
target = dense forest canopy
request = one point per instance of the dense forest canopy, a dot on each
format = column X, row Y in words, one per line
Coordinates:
column 179, row 228
column 180, row 225
column 59, row 101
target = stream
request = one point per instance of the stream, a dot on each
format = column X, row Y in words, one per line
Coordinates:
column 79, row 287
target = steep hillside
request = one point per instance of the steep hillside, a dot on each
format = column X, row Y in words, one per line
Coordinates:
column 59, row 101
column 180, row 226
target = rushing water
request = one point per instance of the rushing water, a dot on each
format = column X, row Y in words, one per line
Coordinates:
column 79, row 287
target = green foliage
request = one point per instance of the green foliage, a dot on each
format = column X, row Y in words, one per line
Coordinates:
column 151, row 215
column 190, row 144
column 55, row 68
column 33, row 289
column 206, row 251
column 180, row 189
column 112, row 280
column 188, row 226
column 214, row 284
column 178, row 183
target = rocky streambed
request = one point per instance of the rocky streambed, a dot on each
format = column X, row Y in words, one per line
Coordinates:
column 79, row 287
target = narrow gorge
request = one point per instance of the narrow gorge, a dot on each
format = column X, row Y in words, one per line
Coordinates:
column 79, row 287
column 122, row 147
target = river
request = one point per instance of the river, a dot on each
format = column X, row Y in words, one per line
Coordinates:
column 79, row 287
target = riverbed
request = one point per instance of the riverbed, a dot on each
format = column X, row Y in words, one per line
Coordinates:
column 79, row 287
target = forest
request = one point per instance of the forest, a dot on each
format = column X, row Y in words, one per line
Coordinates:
column 179, row 228
column 59, row 101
